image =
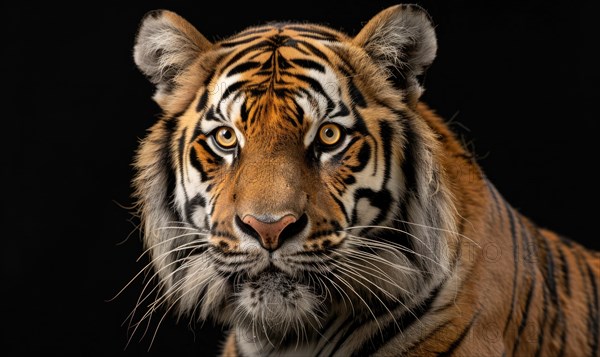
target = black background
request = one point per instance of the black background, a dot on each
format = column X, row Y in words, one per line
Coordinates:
column 518, row 79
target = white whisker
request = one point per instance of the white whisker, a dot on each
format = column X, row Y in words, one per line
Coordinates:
column 375, row 257
column 395, row 230
column 170, row 239
column 371, row 243
column 439, row 229
column 386, row 278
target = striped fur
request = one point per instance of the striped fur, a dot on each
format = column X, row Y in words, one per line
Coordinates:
column 388, row 242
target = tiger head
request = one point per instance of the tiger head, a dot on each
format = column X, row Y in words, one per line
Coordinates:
column 290, row 178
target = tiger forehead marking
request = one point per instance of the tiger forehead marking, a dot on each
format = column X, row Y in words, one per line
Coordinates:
column 271, row 77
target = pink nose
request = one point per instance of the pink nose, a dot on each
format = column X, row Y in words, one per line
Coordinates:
column 269, row 232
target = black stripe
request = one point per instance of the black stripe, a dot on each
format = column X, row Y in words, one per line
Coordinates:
column 525, row 316
column 181, row 148
column 202, row 102
column 341, row 205
column 315, row 86
column 386, row 131
column 243, row 67
column 563, row 341
column 231, row 89
column 456, row 344
column 530, row 256
column 564, row 264
column 315, row 50
column 342, row 112
column 245, row 51
column 513, row 232
column 197, row 165
column 594, row 315
column 211, row 115
column 356, row 95
column 167, row 158
column 310, row 64
column 496, row 203
column 542, row 326
column 550, row 276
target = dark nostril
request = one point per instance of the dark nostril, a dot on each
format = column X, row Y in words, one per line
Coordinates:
column 246, row 228
column 294, row 228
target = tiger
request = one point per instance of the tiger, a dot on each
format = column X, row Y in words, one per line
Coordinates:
column 298, row 191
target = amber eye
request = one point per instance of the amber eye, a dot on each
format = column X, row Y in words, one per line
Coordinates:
column 225, row 137
column 330, row 134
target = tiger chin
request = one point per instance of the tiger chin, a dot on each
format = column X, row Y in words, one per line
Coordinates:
column 298, row 191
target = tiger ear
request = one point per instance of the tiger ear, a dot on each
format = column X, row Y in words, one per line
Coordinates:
column 402, row 40
column 165, row 45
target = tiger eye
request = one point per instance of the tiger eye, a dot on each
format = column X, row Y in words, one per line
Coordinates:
column 330, row 134
column 225, row 137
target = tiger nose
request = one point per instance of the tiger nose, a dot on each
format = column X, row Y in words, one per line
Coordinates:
column 269, row 232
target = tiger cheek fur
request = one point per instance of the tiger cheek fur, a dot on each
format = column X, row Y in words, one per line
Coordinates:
column 297, row 191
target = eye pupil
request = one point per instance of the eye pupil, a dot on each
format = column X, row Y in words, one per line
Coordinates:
column 329, row 133
column 225, row 138
column 226, row 134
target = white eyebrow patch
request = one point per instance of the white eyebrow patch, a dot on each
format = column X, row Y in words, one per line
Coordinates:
column 226, row 104
column 318, row 106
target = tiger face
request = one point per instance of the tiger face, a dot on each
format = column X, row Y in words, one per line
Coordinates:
column 289, row 180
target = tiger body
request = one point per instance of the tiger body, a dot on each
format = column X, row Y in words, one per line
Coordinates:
column 296, row 193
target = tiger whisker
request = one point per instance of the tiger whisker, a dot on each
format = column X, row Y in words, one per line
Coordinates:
column 136, row 227
column 395, row 230
column 170, row 239
column 149, row 265
column 158, row 286
column 349, row 270
column 359, row 297
column 178, row 286
column 170, row 293
column 340, row 290
column 371, row 243
column 439, row 229
column 173, row 304
column 385, row 277
column 375, row 257
column 157, row 272
column 262, row 320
